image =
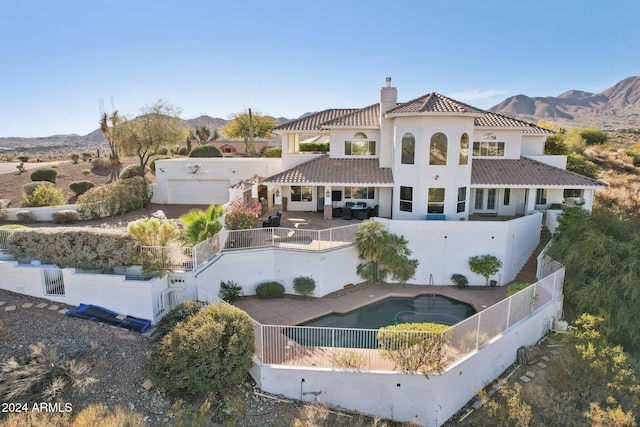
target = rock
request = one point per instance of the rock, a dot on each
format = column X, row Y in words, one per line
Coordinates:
column 147, row 384
column 4, row 203
column 159, row 214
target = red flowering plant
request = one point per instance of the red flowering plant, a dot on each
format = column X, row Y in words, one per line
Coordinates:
column 241, row 215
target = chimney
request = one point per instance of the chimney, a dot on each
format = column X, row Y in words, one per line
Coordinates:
column 388, row 97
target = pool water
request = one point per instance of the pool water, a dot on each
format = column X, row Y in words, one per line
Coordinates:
column 390, row 311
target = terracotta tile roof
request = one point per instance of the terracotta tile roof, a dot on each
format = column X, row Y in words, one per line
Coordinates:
column 498, row 120
column 367, row 116
column 314, row 121
column 247, row 183
column 326, row 170
column 525, row 172
column 434, row 103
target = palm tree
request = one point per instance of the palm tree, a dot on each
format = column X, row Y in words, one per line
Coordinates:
column 200, row 225
column 371, row 239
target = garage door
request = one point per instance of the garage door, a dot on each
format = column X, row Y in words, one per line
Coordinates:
column 198, row 192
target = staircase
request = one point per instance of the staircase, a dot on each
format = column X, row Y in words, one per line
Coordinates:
column 528, row 272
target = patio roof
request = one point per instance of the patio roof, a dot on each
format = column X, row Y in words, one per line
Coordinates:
column 325, row 170
column 525, row 172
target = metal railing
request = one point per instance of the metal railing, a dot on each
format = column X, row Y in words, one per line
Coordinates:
column 53, row 281
column 363, row 349
column 4, row 235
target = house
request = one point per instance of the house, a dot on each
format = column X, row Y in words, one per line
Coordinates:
column 431, row 158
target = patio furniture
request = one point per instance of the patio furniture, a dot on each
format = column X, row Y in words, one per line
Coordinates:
column 346, row 213
column 336, row 213
column 361, row 205
column 362, row 213
column 374, row 212
column 273, row 221
column 349, row 204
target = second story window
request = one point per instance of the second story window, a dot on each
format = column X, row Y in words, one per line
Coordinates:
column 488, row 146
column 438, row 149
column 464, row 149
column 360, row 146
column 408, row 149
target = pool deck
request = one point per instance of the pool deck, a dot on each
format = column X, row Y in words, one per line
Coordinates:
column 293, row 310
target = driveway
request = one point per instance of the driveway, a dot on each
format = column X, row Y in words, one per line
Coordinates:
column 9, row 167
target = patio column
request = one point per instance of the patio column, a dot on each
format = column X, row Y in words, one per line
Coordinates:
column 531, row 201
column 328, row 211
column 277, row 198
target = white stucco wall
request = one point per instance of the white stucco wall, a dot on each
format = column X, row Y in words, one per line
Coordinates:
column 42, row 214
column 533, row 145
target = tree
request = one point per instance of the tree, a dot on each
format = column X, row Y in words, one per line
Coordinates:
column 110, row 128
column 201, row 225
column 158, row 126
column 248, row 126
column 555, row 144
column 578, row 164
column 485, row 265
column 203, row 135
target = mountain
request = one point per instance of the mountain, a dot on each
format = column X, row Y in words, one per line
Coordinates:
column 616, row 107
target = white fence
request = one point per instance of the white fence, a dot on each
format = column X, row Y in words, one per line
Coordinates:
column 343, row 348
column 4, row 235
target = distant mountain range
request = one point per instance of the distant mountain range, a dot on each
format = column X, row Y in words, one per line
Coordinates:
column 615, row 108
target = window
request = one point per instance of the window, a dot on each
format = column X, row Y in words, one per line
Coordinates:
column 406, row 199
column 488, row 146
column 541, row 196
column 507, row 197
column 301, row 194
column 438, row 149
column 572, row 192
column 464, row 149
column 408, row 149
column 360, row 146
column 462, row 199
column 359, row 193
column 435, row 202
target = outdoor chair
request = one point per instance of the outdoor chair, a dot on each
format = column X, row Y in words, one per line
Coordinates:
column 273, row 221
column 349, row 204
column 336, row 213
column 361, row 204
column 346, row 213
column 362, row 213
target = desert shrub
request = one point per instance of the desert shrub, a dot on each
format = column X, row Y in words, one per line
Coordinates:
column 44, row 174
column 350, row 359
column 210, row 351
column 321, row 147
column 230, row 291
column 304, row 285
column 273, row 152
column 132, row 171
column 116, row 198
column 157, row 233
column 46, row 375
column 205, row 151
column 86, row 155
column 74, row 158
column 101, row 163
column 23, row 159
column 36, row 419
column 183, row 151
column 6, row 157
column 30, row 187
column 270, row 290
column 67, row 216
column 86, row 171
column 69, row 247
column 240, row 215
column 81, row 187
column 3, row 213
column 578, row 164
column 54, row 165
column 162, row 151
column 43, row 195
column 152, row 164
column 102, row 415
column 514, row 288
column 179, row 313
column 174, row 149
column 186, row 415
column 460, row 280
column 419, row 350
column 26, row 217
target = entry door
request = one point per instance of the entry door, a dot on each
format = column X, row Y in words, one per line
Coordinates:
column 486, row 200
column 320, row 199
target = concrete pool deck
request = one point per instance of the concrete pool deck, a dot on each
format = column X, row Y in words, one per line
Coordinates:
column 293, row 310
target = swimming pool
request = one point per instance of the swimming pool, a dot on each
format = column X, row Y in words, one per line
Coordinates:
column 389, row 311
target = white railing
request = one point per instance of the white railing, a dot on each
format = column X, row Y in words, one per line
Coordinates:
column 4, row 235
column 53, row 281
column 166, row 257
column 361, row 349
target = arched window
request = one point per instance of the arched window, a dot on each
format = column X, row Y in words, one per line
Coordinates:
column 360, row 135
column 488, row 146
column 408, row 149
column 464, row 149
column 438, row 149
column 360, row 146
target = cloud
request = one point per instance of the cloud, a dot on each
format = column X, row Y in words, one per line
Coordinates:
column 476, row 94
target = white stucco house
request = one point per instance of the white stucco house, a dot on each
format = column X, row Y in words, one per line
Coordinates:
column 431, row 158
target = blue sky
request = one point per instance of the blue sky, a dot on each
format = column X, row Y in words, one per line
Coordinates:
column 60, row 59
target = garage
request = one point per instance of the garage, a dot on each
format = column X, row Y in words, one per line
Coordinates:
column 198, row 192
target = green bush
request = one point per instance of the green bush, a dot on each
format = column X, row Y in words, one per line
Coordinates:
column 460, row 280
column 43, row 195
column 205, row 151
column 321, row 147
column 86, row 155
column 74, row 247
column 44, row 174
column 68, row 216
column 174, row 149
column 132, row 171
column 74, row 158
column 179, row 313
column 304, row 285
column 162, row 151
column 29, row 188
column 418, row 351
column 26, row 217
column 270, row 290
column 101, row 163
column 183, row 151
column 152, row 164
column 230, row 291
column 86, row 171
column 117, row 198
column 209, row 352
column 81, row 187
column 273, row 152
column 514, row 288
column 23, row 159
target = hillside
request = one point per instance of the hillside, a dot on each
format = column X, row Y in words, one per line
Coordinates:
column 615, row 108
